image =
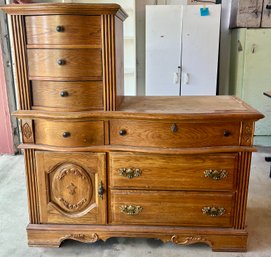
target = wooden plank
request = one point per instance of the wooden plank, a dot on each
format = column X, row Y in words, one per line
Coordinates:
column 245, row 14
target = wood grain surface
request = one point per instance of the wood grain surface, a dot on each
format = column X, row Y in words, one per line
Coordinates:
column 157, row 134
column 80, row 133
column 46, row 95
column 68, row 187
column 77, row 30
column 65, row 8
column 170, row 208
column 79, row 63
column 172, row 172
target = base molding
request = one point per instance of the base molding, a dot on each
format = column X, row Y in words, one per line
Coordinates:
column 48, row 235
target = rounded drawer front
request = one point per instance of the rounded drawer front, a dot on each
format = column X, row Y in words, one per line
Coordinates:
column 63, row 30
column 67, row 96
column 172, row 172
column 62, row 64
column 171, row 208
column 69, row 134
column 173, row 135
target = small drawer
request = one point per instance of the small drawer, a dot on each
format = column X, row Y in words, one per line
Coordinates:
column 63, row 30
column 171, row 208
column 173, row 135
column 172, row 172
column 65, row 63
column 69, row 134
column 67, row 96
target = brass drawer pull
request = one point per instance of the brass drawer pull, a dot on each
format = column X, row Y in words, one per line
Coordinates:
column 130, row 172
column 131, row 209
column 227, row 133
column 213, row 211
column 61, row 62
column 122, row 132
column 66, row 134
column 60, row 29
column 64, row 93
column 216, row 174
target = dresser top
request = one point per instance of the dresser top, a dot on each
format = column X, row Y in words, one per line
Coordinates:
column 64, row 8
column 186, row 108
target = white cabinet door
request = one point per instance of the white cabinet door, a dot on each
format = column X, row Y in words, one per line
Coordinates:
column 163, row 49
column 200, row 45
column 179, row 38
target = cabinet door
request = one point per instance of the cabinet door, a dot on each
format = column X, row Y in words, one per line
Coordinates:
column 68, row 185
column 256, row 77
column 200, row 44
column 163, row 49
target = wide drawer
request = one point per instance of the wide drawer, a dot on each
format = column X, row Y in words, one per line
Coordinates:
column 172, row 172
column 72, row 96
column 171, row 208
column 65, row 63
column 166, row 134
column 63, row 30
column 69, row 134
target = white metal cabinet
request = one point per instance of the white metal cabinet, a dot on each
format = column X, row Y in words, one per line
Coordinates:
column 181, row 50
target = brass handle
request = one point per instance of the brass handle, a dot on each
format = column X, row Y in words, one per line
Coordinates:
column 174, row 128
column 216, row 174
column 227, row 133
column 101, row 190
column 64, row 93
column 66, row 134
column 131, row 209
column 61, row 62
column 130, row 172
column 60, row 28
column 122, row 132
column 213, row 211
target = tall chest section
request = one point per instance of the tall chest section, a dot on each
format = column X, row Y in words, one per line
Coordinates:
column 66, row 57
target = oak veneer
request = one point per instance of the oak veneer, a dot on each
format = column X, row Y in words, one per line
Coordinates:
column 98, row 162
column 63, row 30
column 67, row 96
column 76, row 63
column 172, row 172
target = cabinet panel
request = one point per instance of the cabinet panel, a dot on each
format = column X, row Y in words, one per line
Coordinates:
column 68, row 185
column 67, row 96
column 65, row 63
column 170, row 208
column 69, row 134
column 63, row 29
column 166, row 134
column 250, row 61
column 172, row 172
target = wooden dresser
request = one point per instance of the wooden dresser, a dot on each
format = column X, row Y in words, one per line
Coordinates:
column 100, row 165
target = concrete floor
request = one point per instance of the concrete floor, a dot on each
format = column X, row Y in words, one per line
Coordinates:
column 13, row 214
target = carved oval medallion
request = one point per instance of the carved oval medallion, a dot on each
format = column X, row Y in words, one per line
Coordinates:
column 71, row 188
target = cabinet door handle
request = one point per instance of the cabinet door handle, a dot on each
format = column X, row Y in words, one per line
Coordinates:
column 213, row 211
column 64, row 93
column 216, row 174
column 66, row 134
column 61, row 62
column 122, row 132
column 227, row 133
column 60, row 28
column 130, row 172
column 131, row 209
column 101, row 190
column 174, row 128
